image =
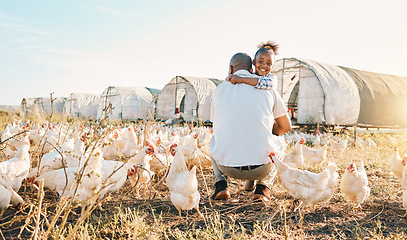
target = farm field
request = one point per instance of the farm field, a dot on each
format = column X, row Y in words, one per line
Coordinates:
column 135, row 212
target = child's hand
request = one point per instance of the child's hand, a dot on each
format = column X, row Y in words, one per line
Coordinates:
column 234, row 79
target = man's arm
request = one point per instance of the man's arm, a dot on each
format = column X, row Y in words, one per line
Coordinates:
column 281, row 125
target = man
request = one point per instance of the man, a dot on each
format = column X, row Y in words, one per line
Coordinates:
column 244, row 120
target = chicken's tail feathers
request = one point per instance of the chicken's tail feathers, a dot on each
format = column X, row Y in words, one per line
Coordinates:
column 361, row 167
column 15, row 199
column 193, row 170
column 362, row 171
column 334, row 176
column 48, row 178
column 332, row 167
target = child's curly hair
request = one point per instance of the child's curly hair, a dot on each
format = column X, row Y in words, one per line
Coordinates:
column 268, row 46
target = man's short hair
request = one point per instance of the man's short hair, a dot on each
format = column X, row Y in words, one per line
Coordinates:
column 241, row 61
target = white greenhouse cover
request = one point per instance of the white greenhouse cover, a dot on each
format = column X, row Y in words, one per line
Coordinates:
column 129, row 103
column 82, row 105
column 326, row 93
column 193, row 93
column 42, row 105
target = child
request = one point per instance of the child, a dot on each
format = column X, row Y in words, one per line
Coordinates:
column 263, row 62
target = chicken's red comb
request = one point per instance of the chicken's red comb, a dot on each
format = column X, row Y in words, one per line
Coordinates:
column 173, row 146
column 351, row 166
column 396, row 148
column 272, row 154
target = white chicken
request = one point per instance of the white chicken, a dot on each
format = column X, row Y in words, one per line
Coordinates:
column 317, row 141
column 338, row 146
column 396, row 165
column 182, row 183
column 354, row 184
column 49, row 143
column 14, row 143
column 203, row 150
column 315, row 156
column 130, row 149
column 205, row 144
column 64, row 181
column 190, row 148
column 7, row 194
column 68, row 144
column 118, row 142
column 392, row 140
column 115, row 172
column 311, row 188
column 10, row 151
column 52, row 160
column 36, row 135
column 109, row 152
column 295, row 158
column 173, row 139
column 143, row 174
column 17, row 167
column 159, row 160
column 8, row 135
column 73, row 159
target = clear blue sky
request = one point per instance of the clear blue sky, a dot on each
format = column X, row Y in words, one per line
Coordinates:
column 84, row 46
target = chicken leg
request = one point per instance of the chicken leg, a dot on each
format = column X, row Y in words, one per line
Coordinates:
column 302, row 213
column 200, row 214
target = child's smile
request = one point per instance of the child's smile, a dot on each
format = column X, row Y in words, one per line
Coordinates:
column 263, row 63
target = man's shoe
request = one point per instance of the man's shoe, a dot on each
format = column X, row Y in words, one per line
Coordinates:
column 221, row 191
column 249, row 186
column 262, row 193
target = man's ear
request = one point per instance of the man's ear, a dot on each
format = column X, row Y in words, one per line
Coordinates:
column 230, row 69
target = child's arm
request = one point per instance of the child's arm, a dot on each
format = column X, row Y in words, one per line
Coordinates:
column 236, row 79
column 264, row 82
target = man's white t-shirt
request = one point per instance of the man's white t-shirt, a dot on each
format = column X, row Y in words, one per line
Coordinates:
column 243, row 119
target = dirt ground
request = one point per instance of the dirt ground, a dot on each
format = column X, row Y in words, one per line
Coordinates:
column 381, row 215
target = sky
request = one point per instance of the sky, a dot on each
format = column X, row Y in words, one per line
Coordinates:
column 85, row 46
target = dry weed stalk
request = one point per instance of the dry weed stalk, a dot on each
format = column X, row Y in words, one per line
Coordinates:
column 40, row 198
column 70, row 205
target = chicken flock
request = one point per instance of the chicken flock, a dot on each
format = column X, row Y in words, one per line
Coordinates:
column 85, row 163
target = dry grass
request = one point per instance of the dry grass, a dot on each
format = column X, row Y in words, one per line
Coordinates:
column 152, row 216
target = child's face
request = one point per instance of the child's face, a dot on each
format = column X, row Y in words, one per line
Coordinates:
column 263, row 63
